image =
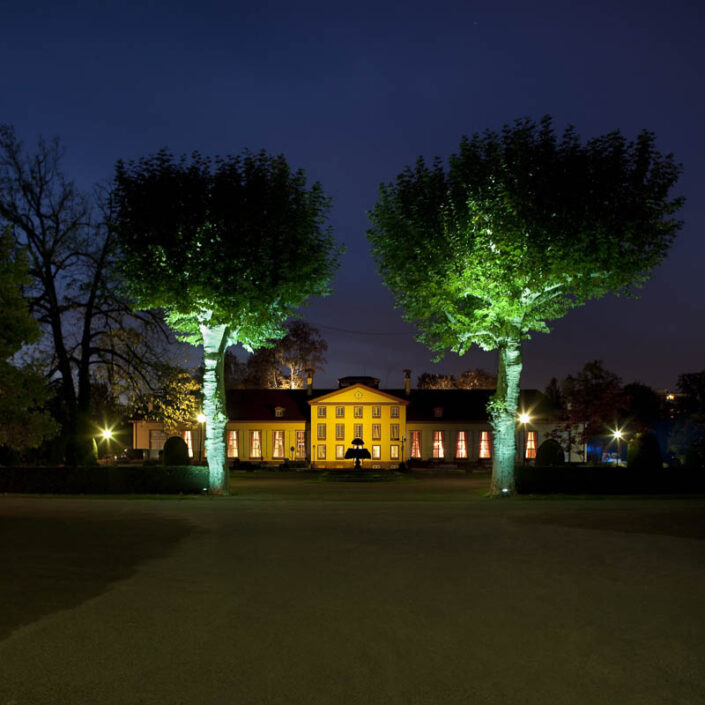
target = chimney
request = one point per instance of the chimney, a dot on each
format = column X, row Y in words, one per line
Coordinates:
column 309, row 381
column 407, row 382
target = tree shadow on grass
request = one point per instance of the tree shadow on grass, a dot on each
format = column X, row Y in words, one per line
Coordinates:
column 51, row 564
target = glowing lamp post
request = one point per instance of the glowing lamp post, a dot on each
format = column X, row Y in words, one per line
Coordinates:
column 524, row 419
column 106, row 435
column 618, row 435
column 201, row 418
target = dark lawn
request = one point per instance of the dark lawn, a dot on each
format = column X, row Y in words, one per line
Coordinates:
column 299, row 591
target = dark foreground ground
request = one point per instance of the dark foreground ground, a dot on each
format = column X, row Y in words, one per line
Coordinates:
column 296, row 591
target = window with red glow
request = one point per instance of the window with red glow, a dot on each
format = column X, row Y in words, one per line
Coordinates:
column 531, row 444
column 188, row 439
column 485, row 447
column 461, row 447
column 255, row 444
column 438, row 446
column 278, row 444
column 415, row 451
column 233, row 450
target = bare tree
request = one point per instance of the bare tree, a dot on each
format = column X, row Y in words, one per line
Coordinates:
column 74, row 293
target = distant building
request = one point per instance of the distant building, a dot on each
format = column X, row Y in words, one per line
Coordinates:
column 442, row 426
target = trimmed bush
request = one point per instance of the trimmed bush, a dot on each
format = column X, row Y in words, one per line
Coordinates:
column 175, row 451
column 106, row 479
column 550, row 454
column 643, row 453
column 607, row 480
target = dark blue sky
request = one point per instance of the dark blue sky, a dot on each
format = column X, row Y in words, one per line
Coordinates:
column 352, row 95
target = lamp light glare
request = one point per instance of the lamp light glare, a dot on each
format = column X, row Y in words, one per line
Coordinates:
column 201, row 418
column 524, row 418
column 107, row 434
column 618, row 434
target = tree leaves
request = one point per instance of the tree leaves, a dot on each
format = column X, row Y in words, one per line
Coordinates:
column 521, row 227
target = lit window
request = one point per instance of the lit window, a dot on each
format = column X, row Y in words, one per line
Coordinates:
column 322, row 412
column 358, row 430
column 531, row 444
column 233, row 445
column 321, row 432
column 339, row 452
column 255, row 444
column 376, row 412
column 415, row 451
column 340, row 432
column 376, row 452
column 376, row 431
column 394, row 452
column 278, row 444
column 188, row 439
column 279, row 411
column 394, row 432
column 300, row 444
column 321, row 452
column 438, row 448
column 357, row 412
column 340, row 412
column 157, row 439
column 485, row 447
column 394, row 412
column 461, row 448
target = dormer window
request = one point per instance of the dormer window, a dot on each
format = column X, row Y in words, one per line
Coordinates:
column 279, row 411
column 438, row 411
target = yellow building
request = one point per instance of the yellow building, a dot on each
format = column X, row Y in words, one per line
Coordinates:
column 318, row 426
column 358, row 411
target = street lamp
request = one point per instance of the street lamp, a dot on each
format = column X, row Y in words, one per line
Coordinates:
column 201, row 418
column 618, row 435
column 106, row 435
column 524, row 418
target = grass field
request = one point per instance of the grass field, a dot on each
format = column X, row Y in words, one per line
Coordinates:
column 295, row 590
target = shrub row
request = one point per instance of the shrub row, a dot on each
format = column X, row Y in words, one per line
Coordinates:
column 105, row 479
column 595, row 480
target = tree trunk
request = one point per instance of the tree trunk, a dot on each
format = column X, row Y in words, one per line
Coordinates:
column 503, row 412
column 214, row 343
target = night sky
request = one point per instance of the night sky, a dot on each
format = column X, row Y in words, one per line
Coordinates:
column 352, row 95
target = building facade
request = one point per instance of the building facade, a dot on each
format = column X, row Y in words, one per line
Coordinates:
column 425, row 426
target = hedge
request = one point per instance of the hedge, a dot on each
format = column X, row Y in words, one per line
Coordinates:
column 105, row 479
column 597, row 480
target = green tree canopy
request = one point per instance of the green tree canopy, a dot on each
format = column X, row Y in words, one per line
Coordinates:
column 521, row 226
column 23, row 391
column 175, row 403
column 238, row 241
column 228, row 247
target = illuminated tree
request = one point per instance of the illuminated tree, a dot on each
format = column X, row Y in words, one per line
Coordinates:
column 228, row 248
column 469, row 379
column 520, row 227
column 302, row 348
column 175, row 403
